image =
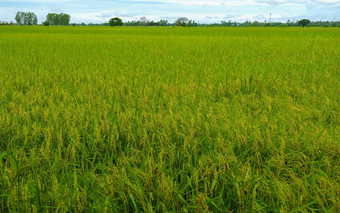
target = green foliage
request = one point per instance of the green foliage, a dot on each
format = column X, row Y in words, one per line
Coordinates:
column 116, row 22
column 181, row 22
column 256, row 23
column 104, row 119
column 61, row 19
column 5, row 23
column 163, row 22
column 304, row 22
column 191, row 23
column 26, row 18
column 45, row 23
column 144, row 22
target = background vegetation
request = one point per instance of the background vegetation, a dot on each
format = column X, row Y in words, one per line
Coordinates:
column 169, row 119
column 184, row 22
column 26, row 18
column 63, row 19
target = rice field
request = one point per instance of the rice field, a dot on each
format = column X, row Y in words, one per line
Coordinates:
column 164, row 119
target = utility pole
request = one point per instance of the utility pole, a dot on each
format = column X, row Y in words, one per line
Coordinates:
column 270, row 20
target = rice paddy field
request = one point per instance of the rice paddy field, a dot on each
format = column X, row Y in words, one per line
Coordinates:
column 163, row 119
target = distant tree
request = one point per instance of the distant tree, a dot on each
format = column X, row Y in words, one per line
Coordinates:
column 289, row 23
column 163, row 22
column 51, row 19
column 304, row 22
column 64, row 19
column 31, row 19
column 35, row 20
column 18, row 18
column 191, row 23
column 57, row 19
column 45, row 23
column 133, row 23
column 144, row 21
column 115, row 22
column 247, row 24
column 153, row 23
column 181, row 22
column 5, row 23
column 228, row 23
column 256, row 23
column 26, row 18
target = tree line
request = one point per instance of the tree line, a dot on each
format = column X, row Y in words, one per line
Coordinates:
column 26, row 18
column 63, row 19
column 6, row 23
column 29, row 18
column 185, row 22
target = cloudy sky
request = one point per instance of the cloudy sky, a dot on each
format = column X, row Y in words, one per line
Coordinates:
column 202, row 11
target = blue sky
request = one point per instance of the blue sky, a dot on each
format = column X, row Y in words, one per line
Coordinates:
column 200, row 10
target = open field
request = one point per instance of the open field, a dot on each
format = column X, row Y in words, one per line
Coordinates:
column 97, row 119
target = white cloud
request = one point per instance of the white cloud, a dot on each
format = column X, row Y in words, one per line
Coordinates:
column 205, row 3
column 328, row 1
column 331, row 2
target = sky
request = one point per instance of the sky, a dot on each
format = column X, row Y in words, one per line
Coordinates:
column 201, row 11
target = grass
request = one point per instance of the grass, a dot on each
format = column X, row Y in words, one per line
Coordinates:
column 99, row 119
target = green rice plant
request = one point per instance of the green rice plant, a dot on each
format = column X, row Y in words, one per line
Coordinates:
column 132, row 119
